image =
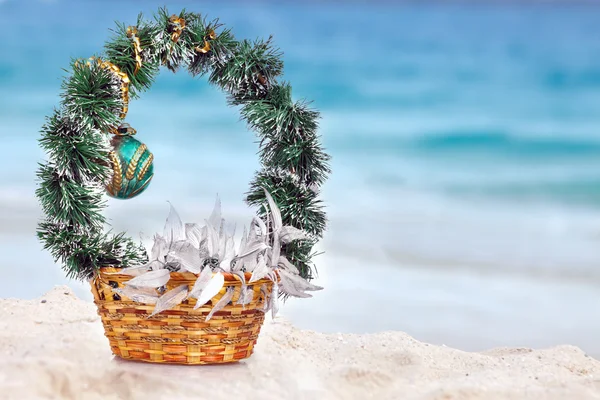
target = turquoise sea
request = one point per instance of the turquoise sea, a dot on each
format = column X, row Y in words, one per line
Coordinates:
column 464, row 202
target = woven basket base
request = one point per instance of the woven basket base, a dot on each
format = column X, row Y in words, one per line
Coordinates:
column 180, row 335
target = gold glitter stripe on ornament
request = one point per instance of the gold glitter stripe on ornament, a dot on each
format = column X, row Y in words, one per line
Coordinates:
column 110, row 191
column 125, row 190
column 145, row 167
column 179, row 24
column 138, row 190
column 137, row 47
column 134, row 161
column 117, row 179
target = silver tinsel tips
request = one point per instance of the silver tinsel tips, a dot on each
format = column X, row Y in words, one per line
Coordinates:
column 209, row 251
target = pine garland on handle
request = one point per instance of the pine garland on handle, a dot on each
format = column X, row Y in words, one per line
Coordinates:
column 95, row 100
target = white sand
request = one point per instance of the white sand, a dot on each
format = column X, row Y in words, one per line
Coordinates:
column 57, row 349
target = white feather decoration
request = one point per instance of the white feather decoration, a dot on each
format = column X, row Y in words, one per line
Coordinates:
column 153, row 279
column 275, row 213
column 193, row 233
column 174, row 229
column 203, row 279
column 260, row 271
column 289, row 234
column 212, row 288
column 170, row 299
column 221, row 303
column 139, row 295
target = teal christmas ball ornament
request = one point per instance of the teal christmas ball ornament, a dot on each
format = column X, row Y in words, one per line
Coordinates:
column 131, row 163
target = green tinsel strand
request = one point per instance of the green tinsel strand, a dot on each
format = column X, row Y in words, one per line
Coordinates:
column 277, row 114
column 301, row 254
column 92, row 94
column 74, row 149
column 83, row 253
column 288, row 134
column 66, row 200
column 304, row 157
column 250, row 72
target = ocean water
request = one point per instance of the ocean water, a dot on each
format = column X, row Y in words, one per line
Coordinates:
column 464, row 202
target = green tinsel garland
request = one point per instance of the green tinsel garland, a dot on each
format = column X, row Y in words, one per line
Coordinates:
column 95, row 100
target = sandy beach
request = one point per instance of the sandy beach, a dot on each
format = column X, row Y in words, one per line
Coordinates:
column 53, row 348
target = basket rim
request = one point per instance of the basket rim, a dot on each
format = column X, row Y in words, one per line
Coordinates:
column 229, row 277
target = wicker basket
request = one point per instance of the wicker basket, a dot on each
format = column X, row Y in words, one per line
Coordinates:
column 179, row 335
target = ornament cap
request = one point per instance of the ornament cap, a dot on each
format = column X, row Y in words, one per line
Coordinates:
column 124, row 130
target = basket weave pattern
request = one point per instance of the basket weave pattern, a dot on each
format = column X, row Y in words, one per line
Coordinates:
column 179, row 335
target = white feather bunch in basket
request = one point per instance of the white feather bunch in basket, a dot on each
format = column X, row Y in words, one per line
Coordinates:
column 208, row 251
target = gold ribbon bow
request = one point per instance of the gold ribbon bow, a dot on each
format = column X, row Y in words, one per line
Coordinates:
column 178, row 25
column 132, row 33
column 210, row 36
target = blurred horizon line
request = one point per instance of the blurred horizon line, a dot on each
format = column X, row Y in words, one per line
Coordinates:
column 430, row 2
column 389, row 2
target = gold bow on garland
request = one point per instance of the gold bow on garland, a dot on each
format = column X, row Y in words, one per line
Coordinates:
column 137, row 47
column 178, row 26
column 210, row 36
